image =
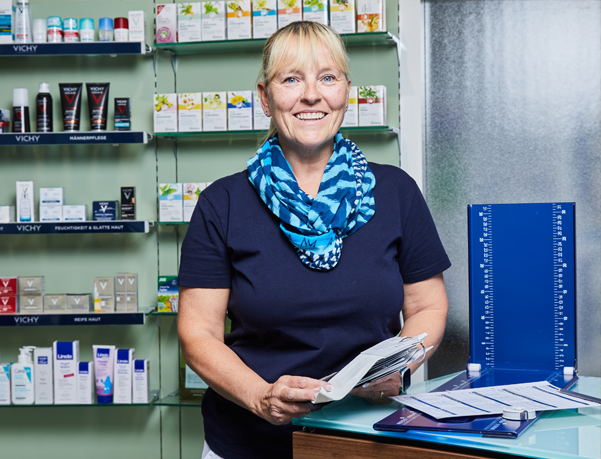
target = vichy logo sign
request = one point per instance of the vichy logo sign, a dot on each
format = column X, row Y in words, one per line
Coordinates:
column 25, row 48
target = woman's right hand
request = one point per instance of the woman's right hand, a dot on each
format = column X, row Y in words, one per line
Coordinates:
column 287, row 398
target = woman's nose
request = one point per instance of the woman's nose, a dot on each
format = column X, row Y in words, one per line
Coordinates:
column 311, row 94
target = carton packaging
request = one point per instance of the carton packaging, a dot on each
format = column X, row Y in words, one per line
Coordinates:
column 25, row 202
column 372, row 105
column 213, row 21
column 6, row 25
column 104, row 210
column 32, row 285
column 55, row 304
column 171, row 203
column 343, row 16
column 165, row 113
column 120, row 302
column 141, row 383
column 31, row 304
column 166, row 23
column 79, row 303
column 289, row 11
column 189, row 112
column 131, row 302
column 351, row 117
column 120, row 283
column 191, row 387
column 371, row 16
column 65, row 355
column 191, row 193
column 265, row 19
column 260, row 120
column 104, row 294
column 52, row 196
column 124, row 363
column 214, row 111
column 7, row 214
column 9, row 286
column 239, row 23
column 50, row 213
column 77, row 213
column 315, row 11
column 168, row 297
column 4, row 383
column 188, row 22
column 137, row 26
column 86, row 384
column 122, row 114
column 43, row 376
column 8, row 304
column 128, row 203
column 132, row 282
column 239, row 110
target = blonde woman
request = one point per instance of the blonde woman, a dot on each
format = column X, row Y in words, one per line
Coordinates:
column 312, row 252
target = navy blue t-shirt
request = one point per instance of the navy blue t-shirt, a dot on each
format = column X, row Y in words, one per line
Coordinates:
column 288, row 319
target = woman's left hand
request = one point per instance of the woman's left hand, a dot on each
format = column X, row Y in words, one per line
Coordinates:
column 379, row 391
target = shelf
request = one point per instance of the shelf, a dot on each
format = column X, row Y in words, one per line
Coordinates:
column 92, row 318
column 153, row 395
column 73, row 49
column 175, row 401
column 156, row 313
column 89, row 227
column 240, row 46
column 74, row 138
column 172, row 223
column 225, row 135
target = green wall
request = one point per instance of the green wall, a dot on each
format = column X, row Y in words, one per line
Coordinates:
column 88, row 173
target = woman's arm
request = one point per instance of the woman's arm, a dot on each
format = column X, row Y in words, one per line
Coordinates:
column 201, row 320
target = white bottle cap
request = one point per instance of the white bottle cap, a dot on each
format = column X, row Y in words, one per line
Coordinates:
column 44, row 87
column 20, row 97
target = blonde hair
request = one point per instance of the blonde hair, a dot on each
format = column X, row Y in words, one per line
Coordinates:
column 305, row 39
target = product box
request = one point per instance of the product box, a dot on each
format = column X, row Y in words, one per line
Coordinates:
column 265, row 19
column 124, row 363
column 79, row 303
column 239, row 110
column 49, row 213
column 165, row 113
column 55, row 304
column 239, row 23
column 166, row 23
column 65, row 355
column 121, row 283
column 342, row 16
column 6, row 23
column 191, row 387
column 78, row 213
column 104, row 210
column 213, row 20
column 32, row 285
column 128, row 203
column 31, row 304
column 104, row 294
column 9, row 286
column 171, row 202
column 315, row 11
column 52, row 196
column 372, row 105
column 86, row 383
column 4, row 383
column 25, row 202
column 214, row 111
column 131, row 302
column 121, row 302
column 137, row 26
column 289, row 11
column 43, row 376
column 260, row 120
column 168, row 294
column 141, row 383
column 189, row 112
column 122, row 113
column 191, row 194
column 132, row 282
column 8, row 304
column 7, row 214
column 371, row 15
column 188, row 22
column 351, row 117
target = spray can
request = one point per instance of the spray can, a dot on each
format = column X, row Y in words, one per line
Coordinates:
column 22, row 31
column 4, row 120
column 43, row 107
column 21, row 110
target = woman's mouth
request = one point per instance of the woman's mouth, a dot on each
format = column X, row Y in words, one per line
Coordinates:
column 310, row 115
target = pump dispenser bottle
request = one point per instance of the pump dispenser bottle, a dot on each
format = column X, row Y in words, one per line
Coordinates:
column 21, row 110
column 43, row 107
column 21, row 378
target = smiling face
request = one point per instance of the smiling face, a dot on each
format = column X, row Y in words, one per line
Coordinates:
column 307, row 104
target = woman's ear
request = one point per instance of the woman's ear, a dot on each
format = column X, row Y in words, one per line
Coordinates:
column 264, row 98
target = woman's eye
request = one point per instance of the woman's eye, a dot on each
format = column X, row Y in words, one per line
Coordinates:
column 290, row 80
column 328, row 78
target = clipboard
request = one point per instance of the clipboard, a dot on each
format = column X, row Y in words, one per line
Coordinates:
column 522, row 286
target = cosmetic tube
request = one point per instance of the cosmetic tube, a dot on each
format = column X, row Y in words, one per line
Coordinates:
column 98, row 104
column 71, row 104
column 104, row 366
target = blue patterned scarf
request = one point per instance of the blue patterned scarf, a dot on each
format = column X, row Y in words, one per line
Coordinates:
column 316, row 226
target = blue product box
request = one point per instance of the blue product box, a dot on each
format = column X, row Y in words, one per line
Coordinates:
column 104, row 210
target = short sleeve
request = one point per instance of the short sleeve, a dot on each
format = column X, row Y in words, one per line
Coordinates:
column 422, row 254
column 204, row 261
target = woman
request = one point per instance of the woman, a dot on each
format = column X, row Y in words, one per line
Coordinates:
column 311, row 252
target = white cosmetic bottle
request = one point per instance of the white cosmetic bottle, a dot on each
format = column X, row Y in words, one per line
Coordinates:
column 21, row 378
column 22, row 17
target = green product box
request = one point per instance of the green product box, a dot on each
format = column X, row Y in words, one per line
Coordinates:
column 168, row 290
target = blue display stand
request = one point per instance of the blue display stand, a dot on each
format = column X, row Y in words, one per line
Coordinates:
column 522, row 273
